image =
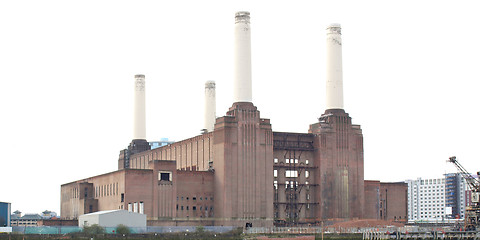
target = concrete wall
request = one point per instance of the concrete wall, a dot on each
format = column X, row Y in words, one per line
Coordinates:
column 113, row 219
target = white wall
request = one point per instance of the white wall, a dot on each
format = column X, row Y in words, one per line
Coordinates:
column 114, row 218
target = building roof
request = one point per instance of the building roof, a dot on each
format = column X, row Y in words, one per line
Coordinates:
column 31, row 216
column 103, row 212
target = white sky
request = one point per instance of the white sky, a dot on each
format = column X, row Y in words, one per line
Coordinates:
column 411, row 73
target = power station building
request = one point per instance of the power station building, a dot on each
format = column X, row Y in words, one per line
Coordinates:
column 239, row 170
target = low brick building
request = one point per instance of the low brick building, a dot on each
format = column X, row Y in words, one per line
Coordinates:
column 386, row 201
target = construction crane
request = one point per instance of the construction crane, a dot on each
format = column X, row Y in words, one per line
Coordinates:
column 472, row 212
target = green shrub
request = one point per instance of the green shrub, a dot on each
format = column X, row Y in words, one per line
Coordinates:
column 122, row 229
column 200, row 229
column 93, row 229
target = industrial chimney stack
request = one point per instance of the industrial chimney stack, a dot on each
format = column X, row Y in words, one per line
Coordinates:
column 334, row 67
column 242, row 59
column 210, row 106
column 139, row 131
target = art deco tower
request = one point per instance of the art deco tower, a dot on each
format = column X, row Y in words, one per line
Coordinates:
column 243, row 147
column 338, row 144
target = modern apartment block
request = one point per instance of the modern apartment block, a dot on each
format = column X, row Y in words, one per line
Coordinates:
column 436, row 200
column 455, row 189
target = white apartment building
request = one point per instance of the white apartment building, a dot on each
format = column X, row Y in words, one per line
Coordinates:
column 436, row 200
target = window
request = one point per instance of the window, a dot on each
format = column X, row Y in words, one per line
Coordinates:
column 307, row 174
column 164, row 176
column 129, row 207
column 141, row 208
column 194, row 198
column 194, row 208
column 135, row 207
column 287, row 160
column 122, row 197
column 275, row 184
column 275, row 173
column 291, row 173
column 306, row 161
column 275, row 160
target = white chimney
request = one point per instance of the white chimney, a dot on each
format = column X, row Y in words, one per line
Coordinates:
column 242, row 83
column 210, row 106
column 139, row 108
column 334, row 67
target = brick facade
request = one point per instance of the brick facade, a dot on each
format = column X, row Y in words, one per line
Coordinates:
column 244, row 172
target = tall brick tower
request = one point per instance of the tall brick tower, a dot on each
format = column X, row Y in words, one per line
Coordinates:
column 243, row 148
column 338, row 145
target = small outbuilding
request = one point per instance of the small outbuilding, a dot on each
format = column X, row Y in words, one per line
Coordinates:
column 113, row 218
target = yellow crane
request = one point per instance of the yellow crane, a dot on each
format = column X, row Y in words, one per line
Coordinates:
column 472, row 212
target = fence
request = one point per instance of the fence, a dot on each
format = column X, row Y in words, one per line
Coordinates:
column 112, row 230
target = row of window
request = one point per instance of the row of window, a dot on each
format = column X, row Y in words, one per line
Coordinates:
column 291, row 173
column 194, row 208
column 290, row 184
column 290, row 160
column 194, row 198
column 136, row 207
column 106, row 190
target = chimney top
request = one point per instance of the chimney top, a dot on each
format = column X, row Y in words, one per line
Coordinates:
column 334, row 28
column 210, row 84
column 242, row 16
column 139, row 76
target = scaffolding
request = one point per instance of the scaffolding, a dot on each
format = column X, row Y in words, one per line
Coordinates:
column 293, row 146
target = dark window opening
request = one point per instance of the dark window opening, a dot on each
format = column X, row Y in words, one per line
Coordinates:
column 122, row 197
column 194, row 198
column 187, row 207
column 90, row 209
column 194, row 208
column 164, row 176
column 86, row 192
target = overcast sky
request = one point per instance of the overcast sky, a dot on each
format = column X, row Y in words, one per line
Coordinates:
column 411, row 73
